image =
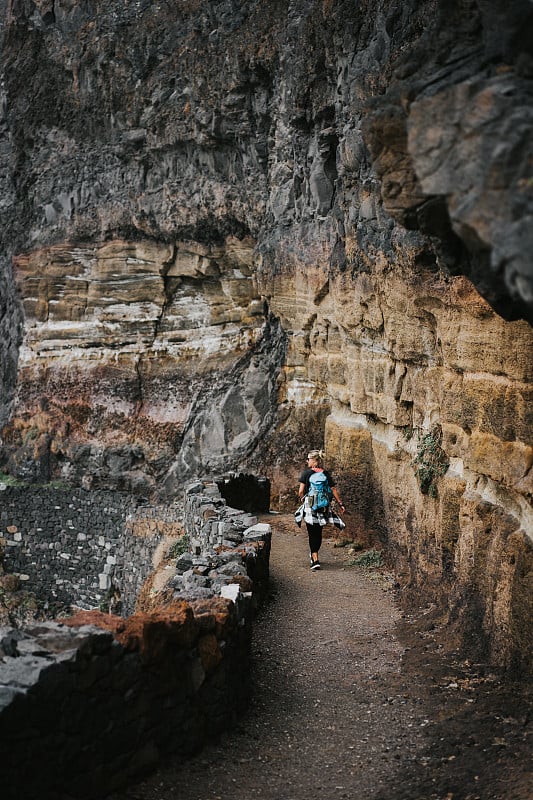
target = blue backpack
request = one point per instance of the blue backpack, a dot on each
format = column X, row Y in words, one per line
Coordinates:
column 319, row 493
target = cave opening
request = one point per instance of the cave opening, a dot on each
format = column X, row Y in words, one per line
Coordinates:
column 245, row 491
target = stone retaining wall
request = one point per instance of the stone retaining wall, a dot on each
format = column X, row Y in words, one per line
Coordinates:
column 89, row 549
column 92, row 702
column 147, row 527
column 227, row 547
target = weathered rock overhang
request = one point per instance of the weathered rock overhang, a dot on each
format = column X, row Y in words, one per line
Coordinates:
column 165, row 679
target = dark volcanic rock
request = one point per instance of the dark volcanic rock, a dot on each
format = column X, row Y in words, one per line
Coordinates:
column 185, row 122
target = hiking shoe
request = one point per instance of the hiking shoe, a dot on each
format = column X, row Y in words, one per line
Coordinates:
column 315, row 564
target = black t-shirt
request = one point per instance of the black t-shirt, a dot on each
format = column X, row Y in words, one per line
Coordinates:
column 306, row 474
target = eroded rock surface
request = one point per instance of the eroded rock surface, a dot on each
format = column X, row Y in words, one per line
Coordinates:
column 123, row 341
column 364, row 170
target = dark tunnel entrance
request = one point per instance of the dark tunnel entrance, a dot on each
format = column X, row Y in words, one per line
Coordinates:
column 244, row 491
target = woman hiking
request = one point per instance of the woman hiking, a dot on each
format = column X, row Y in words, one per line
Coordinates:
column 316, row 488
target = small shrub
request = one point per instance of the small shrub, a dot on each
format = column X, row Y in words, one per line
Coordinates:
column 369, row 559
column 179, row 547
column 9, row 480
column 431, row 462
column 408, row 432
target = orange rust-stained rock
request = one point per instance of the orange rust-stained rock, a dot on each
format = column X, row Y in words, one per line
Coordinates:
column 148, row 602
column 244, row 582
column 215, row 614
column 151, row 634
column 209, row 652
column 155, row 634
column 108, row 622
column 243, row 551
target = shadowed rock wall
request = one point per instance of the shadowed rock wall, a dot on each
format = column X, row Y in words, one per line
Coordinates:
column 167, row 679
column 10, row 311
column 242, row 229
column 156, row 683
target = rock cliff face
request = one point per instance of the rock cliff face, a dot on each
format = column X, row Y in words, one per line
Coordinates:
column 241, row 229
column 126, row 344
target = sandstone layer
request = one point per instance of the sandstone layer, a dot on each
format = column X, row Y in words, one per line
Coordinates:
column 124, row 344
column 240, row 229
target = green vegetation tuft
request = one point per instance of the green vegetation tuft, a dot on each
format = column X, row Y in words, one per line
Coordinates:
column 179, row 547
column 431, row 462
column 370, row 559
column 9, row 480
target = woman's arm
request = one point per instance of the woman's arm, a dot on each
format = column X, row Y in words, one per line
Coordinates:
column 301, row 490
column 337, row 497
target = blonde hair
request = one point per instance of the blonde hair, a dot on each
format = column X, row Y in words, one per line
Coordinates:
column 318, row 454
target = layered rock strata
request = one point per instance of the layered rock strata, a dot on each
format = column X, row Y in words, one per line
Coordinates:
column 364, row 169
column 429, row 432
column 125, row 344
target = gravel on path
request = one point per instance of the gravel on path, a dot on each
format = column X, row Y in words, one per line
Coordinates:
column 352, row 699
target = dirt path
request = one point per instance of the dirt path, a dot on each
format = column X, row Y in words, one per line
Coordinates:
column 352, row 700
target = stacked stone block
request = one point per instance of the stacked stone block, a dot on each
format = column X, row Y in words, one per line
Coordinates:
column 63, row 543
column 83, row 710
column 146, row 526
column 224, row 544
column 79, row 548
